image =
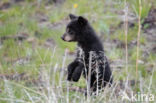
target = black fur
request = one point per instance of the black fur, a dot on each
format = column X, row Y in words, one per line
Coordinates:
column 80, row 31
column 74, row 71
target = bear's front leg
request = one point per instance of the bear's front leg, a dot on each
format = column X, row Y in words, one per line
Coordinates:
column 71, row 68
column 77, row 72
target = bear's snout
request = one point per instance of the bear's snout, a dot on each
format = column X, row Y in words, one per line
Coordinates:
column 62, row 37
column 67, row 37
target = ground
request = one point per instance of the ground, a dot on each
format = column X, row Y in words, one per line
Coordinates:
column 33, row 58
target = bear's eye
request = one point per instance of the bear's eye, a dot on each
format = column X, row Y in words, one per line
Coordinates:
column 70, row 32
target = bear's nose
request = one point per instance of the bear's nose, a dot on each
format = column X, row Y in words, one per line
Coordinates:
column 62, row 37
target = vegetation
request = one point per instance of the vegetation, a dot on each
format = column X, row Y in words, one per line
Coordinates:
column 33, row 58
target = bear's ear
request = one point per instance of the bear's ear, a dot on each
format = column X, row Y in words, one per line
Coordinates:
column 82, row 21
column 72, row 16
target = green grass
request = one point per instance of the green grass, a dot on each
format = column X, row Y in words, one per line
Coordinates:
column 41, row 63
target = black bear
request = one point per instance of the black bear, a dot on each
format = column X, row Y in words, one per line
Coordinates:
column 90, row 58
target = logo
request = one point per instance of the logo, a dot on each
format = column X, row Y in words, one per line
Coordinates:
column 137, row 97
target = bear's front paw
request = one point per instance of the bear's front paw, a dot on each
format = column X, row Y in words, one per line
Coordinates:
column 75, row 78
column 69, row 78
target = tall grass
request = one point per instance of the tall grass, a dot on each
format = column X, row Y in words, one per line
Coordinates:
column 45, row 73
column 52, row 87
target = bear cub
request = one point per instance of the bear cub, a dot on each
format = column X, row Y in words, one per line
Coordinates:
column 90, row 59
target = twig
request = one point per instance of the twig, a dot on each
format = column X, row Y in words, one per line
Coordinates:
column 126, row 32
column 138, row 37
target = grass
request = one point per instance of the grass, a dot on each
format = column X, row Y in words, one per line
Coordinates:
column 44, row 66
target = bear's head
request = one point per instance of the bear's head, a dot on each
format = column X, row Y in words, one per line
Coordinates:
column 75, row 28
